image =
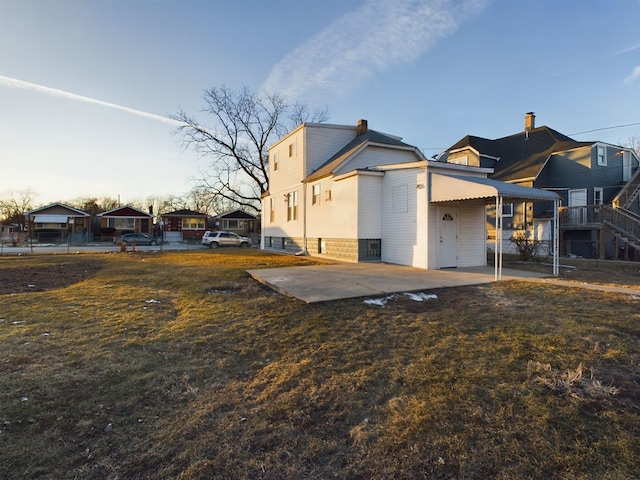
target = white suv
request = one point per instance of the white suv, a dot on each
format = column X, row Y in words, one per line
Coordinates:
column 224, row 239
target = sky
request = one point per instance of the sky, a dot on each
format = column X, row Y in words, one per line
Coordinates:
column 87, row 87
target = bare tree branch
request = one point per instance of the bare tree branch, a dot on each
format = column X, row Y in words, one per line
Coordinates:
column 244, row 125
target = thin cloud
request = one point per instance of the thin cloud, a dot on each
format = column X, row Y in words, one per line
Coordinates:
column 22, row 85
column 377, row 36
column 633, row 77
column 632, row 48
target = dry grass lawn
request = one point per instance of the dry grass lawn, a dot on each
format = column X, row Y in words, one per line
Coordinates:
column 179, row 365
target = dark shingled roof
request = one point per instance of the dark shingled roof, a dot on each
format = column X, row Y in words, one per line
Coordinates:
column 370, row 136
column 184, row 213
column 522, row 155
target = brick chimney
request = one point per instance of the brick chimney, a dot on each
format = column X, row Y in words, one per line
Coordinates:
column 361, row 127
column 529, row 121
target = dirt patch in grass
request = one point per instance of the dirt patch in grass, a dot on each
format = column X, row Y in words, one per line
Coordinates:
column 40, row 278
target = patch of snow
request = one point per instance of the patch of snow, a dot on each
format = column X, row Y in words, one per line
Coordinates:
column 381, row 302
column 421, row 297
column 416, row 297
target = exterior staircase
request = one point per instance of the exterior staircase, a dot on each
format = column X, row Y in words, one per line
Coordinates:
column 618, row 219
column 622, row 224
column 628, row 193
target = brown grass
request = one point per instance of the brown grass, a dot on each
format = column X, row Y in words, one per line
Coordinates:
column 179, row 365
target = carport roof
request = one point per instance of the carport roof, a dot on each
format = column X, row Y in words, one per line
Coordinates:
column 449, row 188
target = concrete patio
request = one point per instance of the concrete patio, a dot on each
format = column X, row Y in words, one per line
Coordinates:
column 319, row 283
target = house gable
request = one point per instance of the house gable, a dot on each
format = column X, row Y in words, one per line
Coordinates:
column 126, row 211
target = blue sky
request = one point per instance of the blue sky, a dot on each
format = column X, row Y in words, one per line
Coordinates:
column 86, row 86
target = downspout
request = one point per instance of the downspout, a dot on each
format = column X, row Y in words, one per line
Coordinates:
column 304, row 219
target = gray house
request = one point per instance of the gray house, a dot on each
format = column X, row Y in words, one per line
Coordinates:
column 598, row 184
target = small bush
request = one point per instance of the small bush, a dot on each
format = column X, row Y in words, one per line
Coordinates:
column 527, row 247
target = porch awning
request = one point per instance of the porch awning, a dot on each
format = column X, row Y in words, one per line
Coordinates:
column 450, row 188
column 51, row 218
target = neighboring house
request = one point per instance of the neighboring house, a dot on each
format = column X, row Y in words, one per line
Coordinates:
column 126, row 219
column 58, row 222
column 11, row 234
column 354, row 194
column 236, row 221
column 588, row 177
column 183, row 225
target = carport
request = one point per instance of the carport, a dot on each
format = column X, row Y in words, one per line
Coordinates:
column 459, row 188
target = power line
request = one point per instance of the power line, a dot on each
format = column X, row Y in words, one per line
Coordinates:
column 606, row 128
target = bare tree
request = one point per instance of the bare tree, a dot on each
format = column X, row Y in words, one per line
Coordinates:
column 245, row 124
column 94, row 205
column 634, row 144
column 14, row 208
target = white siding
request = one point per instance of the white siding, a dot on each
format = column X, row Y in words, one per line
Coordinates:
column 373, row 156
column 281, row 227
column 320, row 216
column 323, row 141
column 344, row 209
column 290, row 168
column 403, row 240
column 370, row 206
column 472, row 235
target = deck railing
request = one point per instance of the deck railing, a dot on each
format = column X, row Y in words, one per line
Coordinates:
column 621, row 222
column 588, row 216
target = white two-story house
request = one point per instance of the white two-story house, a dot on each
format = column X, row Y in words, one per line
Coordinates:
column 354, row 194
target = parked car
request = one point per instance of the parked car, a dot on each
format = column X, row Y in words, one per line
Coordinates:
column 224, row 239
column 137, row 239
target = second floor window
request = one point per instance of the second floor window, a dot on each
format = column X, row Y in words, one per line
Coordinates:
column 315, row 199
column 602, row 155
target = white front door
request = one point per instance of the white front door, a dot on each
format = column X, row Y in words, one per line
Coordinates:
column 448, row 238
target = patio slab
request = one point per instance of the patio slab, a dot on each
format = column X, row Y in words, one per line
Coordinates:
column 319, row 283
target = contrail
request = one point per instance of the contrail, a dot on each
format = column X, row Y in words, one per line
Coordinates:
column 22, row 85
column 375, row 37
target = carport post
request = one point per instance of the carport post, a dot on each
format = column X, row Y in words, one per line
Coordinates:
column 556, row 238
column 498, row 242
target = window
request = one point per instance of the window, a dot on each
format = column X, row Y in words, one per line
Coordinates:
column 292, row 206
column 315, row 199
column 292, row 149
column 272, row 211
column 122, row 223
column 233, row 224
column 602, row 155
column 275, row 161
column 461, row 160
column 193, row 223
column 507, row 210
column 598, row 196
